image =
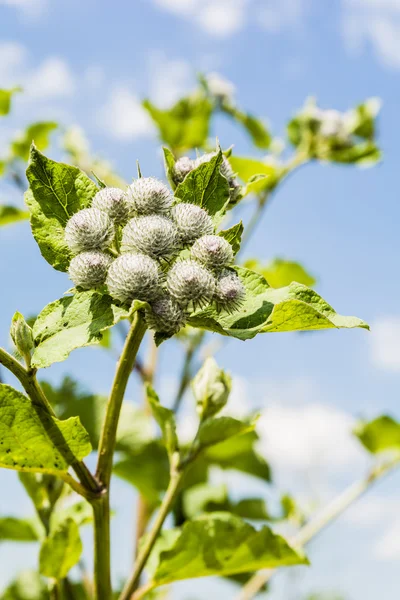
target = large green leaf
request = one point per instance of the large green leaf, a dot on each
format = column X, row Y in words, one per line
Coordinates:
column 185, row 125
column 73, row 322
column 56, row 192
column 379, row 435
column 5, row 99
column 32, row 440
column 18, row 530
column 280, row 272
column 265, row 309
column 218, row 544
column 165, row 418
column 205, row 186
column 61, row 550
column 218, row 429
column 39, row 133
column 12, row 214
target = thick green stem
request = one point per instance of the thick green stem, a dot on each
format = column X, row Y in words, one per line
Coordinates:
column 322, row 519
column 144, row 553
column 102, row 551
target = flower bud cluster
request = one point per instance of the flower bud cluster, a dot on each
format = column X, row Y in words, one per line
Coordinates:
column 147, row 234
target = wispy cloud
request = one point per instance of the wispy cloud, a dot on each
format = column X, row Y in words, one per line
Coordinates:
column 385, row 343
column 123, row 117
column 29, row 8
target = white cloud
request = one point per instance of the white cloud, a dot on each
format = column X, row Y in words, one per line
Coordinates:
column 123, row 116
column 51, row 79
column 388, row 546
column 375, row 22
column 30, row 8
column 274, row 16
column 168, row 79
column 12, row 58
column 385, row 343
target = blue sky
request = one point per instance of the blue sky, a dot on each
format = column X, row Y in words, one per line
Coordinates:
column 89, row 63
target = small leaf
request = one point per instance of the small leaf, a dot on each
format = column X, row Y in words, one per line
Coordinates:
column 165, row 419
column 280, row 272
column 32, row 440
column 234, row 236
column 218, row 544
column 254, row 127
column 12, row 214
column 205, row 186
column 18, row 530
column 27, row 586
column 211, row 388
column 57, row 191
column 81, row 512
column 216, row 430
column 44, row 490
column 169, row 161
column 5, row 100
column 39, row 133
column 379, row 435
column 265, row 309
column 256, row 174
column 61, row 550
column 74, row 322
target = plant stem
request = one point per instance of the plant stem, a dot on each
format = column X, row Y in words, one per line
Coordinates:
column 321, row 520
column 101, row 507
column 144, row 553
column 110, row 424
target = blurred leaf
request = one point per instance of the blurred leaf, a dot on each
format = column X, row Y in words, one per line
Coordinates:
column 56, row 192
column 218, row 544
column 27, row 586
column 32, row 440
column 61, row 550
column 44, row 490
column 39, row 133
column 18, row 530
column 256, row 174
column 205, row 186
column 5, row 99
column 265, row 309
column 81, row 512
column 379, row 435
column 234, row 236
column 256, row 129
column 280, row 272
column 12, row 214
column 218, row 429
column 185, row 125
column 165, row 419
column 74, row 322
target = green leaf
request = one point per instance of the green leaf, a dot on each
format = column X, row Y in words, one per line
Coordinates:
column 5, row 100
column 12, row 214
column 379, row 435
column 239, row 453
column 254, row 127
column 211, row 388
column 280, row 272
column 205, row 186
column 265, row 309
column 32, row 440
column 18, row 530
column 165, row 419
column 169, row 161
column 27, row 586
column 61, row 550
column 256, row 174
column 39, row 133
column 234, row 236
column 44, row 490
column 57, row 191
column 204, row 497
column 185, row 125
column 218, row 544
column 74, row 322
column 215, row 430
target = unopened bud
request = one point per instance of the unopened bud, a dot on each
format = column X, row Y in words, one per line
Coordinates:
column 148, row 196
column 21, row 335
column 134, row 277
column 192, row 222
column 88, row 270
column 190, row 282
column 153, row 235
column 113, row 201
column 89, row 229
column 213, row 251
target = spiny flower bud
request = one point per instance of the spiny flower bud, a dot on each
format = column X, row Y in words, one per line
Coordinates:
column 154, row 235
column 89, row 229
column 134, row 277
column 192, row 222
column 188, row 281
column 148, row 196
column 230, row 292
column 213, row 251
column 89, row 269
column 182, row 167
column 166, row 315
column 112, row 201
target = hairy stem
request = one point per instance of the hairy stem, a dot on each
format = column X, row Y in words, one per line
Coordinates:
column 144, row 553
column 321, row 520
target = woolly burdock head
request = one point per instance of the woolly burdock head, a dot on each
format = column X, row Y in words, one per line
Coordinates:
column 153, row 235
column 192, row 222
column 114, row 203
column 134, row 277
column 89, row 269
column 182, row 167
column 89, row 229
column 212, row 251
column 230, row 292
column 190, row 282
column 148, row 196
column 165, row 315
